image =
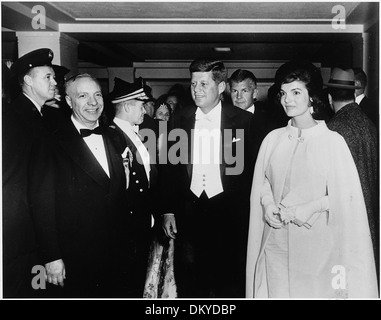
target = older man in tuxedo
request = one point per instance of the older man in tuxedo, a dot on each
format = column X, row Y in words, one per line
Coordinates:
column 207, row 203
column 92, row 222
column 25, row 157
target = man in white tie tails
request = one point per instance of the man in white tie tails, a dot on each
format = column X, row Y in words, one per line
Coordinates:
column 128, row 100
column 207, row 194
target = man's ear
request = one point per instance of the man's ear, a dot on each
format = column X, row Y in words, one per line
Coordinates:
column 357, row 83
column 255, row 93
column 221, row 87
column 28, row 80
column 68, row 101
column 126, row 107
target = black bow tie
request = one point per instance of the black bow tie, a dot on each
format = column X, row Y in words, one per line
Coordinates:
column 87, row 132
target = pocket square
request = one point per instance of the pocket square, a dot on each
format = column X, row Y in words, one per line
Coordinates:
column 236, row 140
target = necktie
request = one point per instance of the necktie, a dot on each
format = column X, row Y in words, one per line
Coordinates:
column 87, row 132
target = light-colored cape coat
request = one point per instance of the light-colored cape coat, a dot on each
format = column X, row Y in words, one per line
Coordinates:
column 334, row 258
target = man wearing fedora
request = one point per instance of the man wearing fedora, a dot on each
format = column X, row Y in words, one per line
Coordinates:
column 25, row 155
column 141, row 172
column 368, row 105
column 361, row 136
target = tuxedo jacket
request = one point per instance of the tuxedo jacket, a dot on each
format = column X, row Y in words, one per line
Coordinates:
column 92, row 222
column 25, row 155
column 237, row 127
column 141, row 192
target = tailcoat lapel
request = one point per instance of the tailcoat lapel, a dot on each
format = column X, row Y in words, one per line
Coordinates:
column 188, row 124
column 71, row 141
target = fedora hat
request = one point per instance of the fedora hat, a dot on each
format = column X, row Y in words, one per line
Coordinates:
column 342, row 79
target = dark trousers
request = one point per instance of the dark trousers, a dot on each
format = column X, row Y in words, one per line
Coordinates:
column 210, row 248
column 17, row 276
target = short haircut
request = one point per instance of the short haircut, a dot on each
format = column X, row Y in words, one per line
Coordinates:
column 338, row 94
column 70, row 81
column 218, row 69
column 361, row 76
column 241, row 75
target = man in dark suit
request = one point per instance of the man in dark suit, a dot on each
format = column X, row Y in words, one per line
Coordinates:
column 243, row 93
column 92, row 228
column 25, row 156
column 206, row 195
column 368, row 106
column 128, row 100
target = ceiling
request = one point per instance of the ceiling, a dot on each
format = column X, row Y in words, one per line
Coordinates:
column 116, row 34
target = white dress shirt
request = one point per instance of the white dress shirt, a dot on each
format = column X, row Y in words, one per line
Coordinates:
column 133, row 134
column 96, row 146
column 359, row 98
column 206, row 157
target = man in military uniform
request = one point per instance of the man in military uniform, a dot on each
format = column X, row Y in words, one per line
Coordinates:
column 128, row 100
column 25, row 156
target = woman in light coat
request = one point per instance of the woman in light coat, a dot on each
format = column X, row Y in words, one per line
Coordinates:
column 309, row 235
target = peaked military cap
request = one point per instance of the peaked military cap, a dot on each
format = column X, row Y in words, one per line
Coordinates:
column 36, row 58
column 124, row 91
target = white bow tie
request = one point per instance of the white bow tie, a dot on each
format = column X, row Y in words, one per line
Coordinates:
column 203, row 116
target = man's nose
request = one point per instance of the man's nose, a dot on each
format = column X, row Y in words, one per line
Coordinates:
column 197, row 87
column 92, row 100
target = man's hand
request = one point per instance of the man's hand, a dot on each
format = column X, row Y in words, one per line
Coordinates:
column 55, row 272
column 169, row 226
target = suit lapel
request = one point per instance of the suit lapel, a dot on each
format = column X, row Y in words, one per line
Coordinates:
column 77, row 149
column 227, row 123
column 188, row 124
column 117, row 173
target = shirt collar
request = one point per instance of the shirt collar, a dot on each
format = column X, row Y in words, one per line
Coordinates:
column 213, row 115
column 359, row 98
column 79, row 125
column 251, row 109
column 125, row 125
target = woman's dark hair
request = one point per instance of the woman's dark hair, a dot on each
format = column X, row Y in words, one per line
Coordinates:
column 305, row 72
